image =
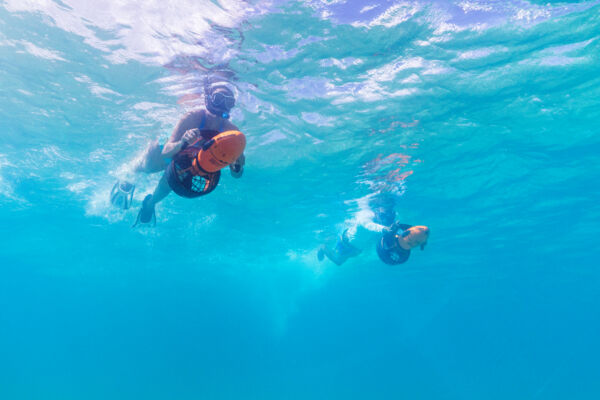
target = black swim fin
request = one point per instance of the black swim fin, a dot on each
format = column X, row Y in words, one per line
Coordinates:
column 321, row 253
column 121, row 195
column 146, row 214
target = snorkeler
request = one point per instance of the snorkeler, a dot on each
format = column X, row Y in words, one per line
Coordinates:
column 375, row 226
column 202, row 143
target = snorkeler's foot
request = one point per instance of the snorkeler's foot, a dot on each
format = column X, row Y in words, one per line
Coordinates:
column 121, row 194
column 321, row 254
column 146, row 214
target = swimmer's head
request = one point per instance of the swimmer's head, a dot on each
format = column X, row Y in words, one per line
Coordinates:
column 414, row 236
column 219, row 97
column 382, row 205
column 384, row 216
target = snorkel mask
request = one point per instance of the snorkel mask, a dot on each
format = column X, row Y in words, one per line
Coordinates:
column 219, row 98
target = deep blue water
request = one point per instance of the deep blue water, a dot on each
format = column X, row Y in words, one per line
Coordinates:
column 480, row 116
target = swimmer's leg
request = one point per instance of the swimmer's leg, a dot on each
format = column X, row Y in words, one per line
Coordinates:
column 161, row 191
column 342, row 252
column 146, row 214
column 152, row 160
column 333, row 255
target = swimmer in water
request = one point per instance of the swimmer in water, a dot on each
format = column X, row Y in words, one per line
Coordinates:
column 376, row 226
column 203, row 142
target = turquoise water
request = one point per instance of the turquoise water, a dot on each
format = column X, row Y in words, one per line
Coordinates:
column 480, row 116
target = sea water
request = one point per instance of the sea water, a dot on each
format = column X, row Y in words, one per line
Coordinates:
column 479, row 117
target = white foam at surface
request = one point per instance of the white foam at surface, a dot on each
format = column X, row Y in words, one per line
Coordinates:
column 39, row 52
column 146, row 105
column 96, row 89
column 317, row 119
column 368, row 8
column 54, row 153
column 272, row 53
column 559, row 50
column 531, row 15
column 557, row 55
column 413, row 78
column 389, row 71
column 272, row 137
column 152, row 33
column 342, row 64
column 479, row 53
column 33, row 50
column 468, row 6
column 81, row 186
column 100, row 155
column 395, row 15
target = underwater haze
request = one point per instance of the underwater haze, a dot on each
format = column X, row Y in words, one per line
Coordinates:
column 480, row 117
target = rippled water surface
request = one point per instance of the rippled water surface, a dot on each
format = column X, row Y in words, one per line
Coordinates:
column 480, row 117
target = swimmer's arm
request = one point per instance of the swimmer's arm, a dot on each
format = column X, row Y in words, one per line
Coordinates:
column 237, row 168
column 172, row 148
column 374, row 227
column 397, row 226
column 189, row 121
column 392, row 230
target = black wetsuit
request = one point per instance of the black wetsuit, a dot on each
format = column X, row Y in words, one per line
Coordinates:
column 181, row 180
column 388, row 249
